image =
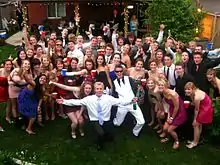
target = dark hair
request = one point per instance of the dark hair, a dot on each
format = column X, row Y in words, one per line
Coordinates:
column 91, row 61
column 96, row 61
column 109, row 45
column 139, row 59
column 38, row 87
column 198, row 53
column 37, row 46
column 169, row 56
column 34, row 62
column 119, row 66
column 19, row 61
column 4, row 62
column 180, row 64
column 200, row 46
column 70, row 69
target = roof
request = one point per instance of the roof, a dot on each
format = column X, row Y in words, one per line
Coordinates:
column 212, row 6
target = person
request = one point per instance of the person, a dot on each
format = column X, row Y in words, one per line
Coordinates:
column 123, row 87
column 28, row 100
column 99, row 110
column 176, row 114
column 76, row 113
column 214, row 81
column 134, row 25
column 4, row 97
column 203, row 111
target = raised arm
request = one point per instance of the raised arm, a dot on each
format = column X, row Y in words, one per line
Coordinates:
column 72, row 102
column 65, row 87
column 79, row 73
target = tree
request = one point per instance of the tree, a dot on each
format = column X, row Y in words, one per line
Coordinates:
column 181, row 17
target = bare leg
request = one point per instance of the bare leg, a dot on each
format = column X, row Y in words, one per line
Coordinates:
column 81, row 122
column 14, row 107
column 52, row 109
column 72, row 116
column 152, row 115
column 8, row 111
column 29, row 127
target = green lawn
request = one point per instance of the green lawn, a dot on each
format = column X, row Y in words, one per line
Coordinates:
column 53, row 145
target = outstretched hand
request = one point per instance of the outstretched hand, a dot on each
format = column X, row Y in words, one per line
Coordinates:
column 60, row 101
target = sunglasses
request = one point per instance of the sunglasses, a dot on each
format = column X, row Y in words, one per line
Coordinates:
column 118, row 71
column 58, row 44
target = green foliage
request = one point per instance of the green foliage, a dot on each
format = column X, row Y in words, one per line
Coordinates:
column 179, row 16
column 215, row 129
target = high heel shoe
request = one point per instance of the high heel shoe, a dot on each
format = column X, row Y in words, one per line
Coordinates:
column 81, row 133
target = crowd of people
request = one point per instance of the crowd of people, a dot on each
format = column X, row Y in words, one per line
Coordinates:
column 162, row 82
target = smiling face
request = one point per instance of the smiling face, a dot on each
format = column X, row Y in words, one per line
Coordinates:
column 74, row 64
column 139, row 65
column 188, row 91
column 100, row 60
column 22, row 55
column 30, row 53
column 116, row 59
column 153, row 66
column 150, row 84
column 210, row 76
column 87, row 89
column 26, row 65
column 59, row 65
column 43, row 80
column 99, row 87
column 45, row 62
column 8, row 66
column 159, row 56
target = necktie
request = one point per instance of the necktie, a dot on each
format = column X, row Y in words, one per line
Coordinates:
column 168, row 72
column 100, row 112
column 197, row 68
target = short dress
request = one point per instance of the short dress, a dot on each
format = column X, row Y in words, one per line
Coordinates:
column 205, row 114
column 181, row 115
column 69, row 109
column 27, row 103
column 3, row 89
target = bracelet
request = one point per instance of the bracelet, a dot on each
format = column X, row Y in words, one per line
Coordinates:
column 171, row 118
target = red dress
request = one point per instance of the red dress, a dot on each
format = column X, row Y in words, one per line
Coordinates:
column 60, row 92
column 205, row 114
column 3, row 89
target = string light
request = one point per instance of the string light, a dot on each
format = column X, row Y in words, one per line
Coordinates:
column 77, row 17
column 24, row 15
column 126, row 17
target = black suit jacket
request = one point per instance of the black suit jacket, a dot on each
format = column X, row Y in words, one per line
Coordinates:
column 200, row 75
column 180, row 84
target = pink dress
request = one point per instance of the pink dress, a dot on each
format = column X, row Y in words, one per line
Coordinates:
column 205, row 114
column 181, row 115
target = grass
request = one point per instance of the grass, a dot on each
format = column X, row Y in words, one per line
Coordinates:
column 53, row 145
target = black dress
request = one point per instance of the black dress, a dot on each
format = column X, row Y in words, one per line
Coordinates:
column 102, row 77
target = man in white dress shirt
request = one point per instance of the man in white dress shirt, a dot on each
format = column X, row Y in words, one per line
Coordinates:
column 99, row 110
column 124, row 88
column 74, row 52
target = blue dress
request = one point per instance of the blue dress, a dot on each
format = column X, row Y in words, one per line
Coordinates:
column 112, row 75
column 27, row 103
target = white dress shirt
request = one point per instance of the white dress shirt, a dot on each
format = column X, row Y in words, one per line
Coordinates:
column 91, row 103
column 78, row 54
column 172, row 74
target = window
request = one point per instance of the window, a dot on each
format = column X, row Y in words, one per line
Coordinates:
column 57, row 10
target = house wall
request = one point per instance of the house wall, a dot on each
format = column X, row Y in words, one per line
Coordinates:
column 36, row 13
column 208, row 33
